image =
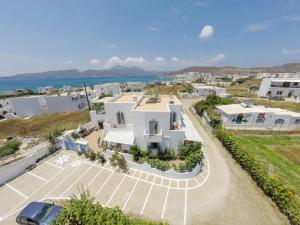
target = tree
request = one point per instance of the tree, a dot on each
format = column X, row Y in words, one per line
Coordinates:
column 118, row 160
column 52, row 138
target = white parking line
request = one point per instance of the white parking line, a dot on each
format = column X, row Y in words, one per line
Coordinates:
column 143, row 208
column 14, row 210
column 137, row 180
column 94, row 178
column 59, row 183
column 196, row 180
column 70, row 186
column 15, row 190
column 102, row 186
column 51, row 164
column 117, row 188
column 161, row 181
column 185, row 202
column 166, row 199
column 1, row 218
column 37, row 176
column 178, row 183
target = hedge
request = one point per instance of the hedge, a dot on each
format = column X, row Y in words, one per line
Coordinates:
column 282, row 195
column 84, row 212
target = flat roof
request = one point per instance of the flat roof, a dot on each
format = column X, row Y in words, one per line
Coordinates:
column 127, row 97
column 122, row 137
column 161, row 105
column 237, row 108
column 195, row 85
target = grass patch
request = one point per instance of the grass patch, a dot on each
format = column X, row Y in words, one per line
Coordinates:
column 279, row 154
column 293, row 106
column 242, row 90
column 9, row 147
column 42, row 125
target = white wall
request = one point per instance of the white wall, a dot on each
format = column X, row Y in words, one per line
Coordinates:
column 107, row 89
column 17, row 168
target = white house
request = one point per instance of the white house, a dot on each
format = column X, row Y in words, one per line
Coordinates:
column 245, row 116
column 108, row 89
column 45, row 90
column 135, row 86
column 43, row 104
column 279, row 87
column 201, row 90
column 67, row 88
column 152, row 122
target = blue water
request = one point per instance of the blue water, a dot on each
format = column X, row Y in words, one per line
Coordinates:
column 13, row 84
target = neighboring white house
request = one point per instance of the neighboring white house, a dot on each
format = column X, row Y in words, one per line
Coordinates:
column 201, row 90
column 108, row 89
column 43, row 104
column 45, row 90
column 153, row 123
column 245, row 116
column 279, row 87
column 135, row 86
column 67, row 88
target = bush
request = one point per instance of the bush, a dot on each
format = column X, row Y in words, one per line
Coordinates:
column 166, row 154
column 100, row 157
column 92, row 155
column 118, row 160
column 136, row 152
column 159, row 164
column 52, row 138
column 10, row 147
column 282, row 195
column 83, row 211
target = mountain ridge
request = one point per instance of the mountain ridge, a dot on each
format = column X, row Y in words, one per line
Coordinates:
column 136, row 71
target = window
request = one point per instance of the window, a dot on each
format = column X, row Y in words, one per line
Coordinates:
column 297, row 121
column 279, row 121
column 279, row 93
column 120, row 117
column 295, row 83
column 153, row 127
column 173, row 117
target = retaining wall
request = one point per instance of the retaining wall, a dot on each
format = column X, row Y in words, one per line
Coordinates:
column 17, row 168
column 145, row 167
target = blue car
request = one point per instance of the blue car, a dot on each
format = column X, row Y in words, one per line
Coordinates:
column 38, row 213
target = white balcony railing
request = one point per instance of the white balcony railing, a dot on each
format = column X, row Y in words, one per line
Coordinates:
column 153, row 137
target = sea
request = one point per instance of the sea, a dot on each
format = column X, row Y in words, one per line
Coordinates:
column 8, row 85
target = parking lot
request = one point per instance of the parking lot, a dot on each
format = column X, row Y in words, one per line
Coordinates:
column 140, row 193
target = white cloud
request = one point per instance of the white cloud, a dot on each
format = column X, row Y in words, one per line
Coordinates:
column 160, row 60
column 215, row 59
column 94, row 61
column 206, row 32
column 109, row 46
column 68, row 62
column 291, row 51
column 152, row 28
column 174, row 59
column 129, row 61
column 264, row 25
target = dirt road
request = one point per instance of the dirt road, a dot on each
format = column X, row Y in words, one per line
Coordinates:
column 229, row 196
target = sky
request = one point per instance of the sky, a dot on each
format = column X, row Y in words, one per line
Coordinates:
column 43, row 35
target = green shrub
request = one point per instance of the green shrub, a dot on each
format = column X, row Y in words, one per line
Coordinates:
column 166, row 154
column 118, row 160
column 159, row 164
column 92, row 155
column 100, row 157
column 9, row 147
column 136, row 152
column 282, row 195
column 83, row 211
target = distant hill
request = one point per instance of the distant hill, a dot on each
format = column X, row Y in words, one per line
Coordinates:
column 114, row 71
column 286, row 68
column 136, row 71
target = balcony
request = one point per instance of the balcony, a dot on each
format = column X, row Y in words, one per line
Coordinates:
column 153, row 137
column 175, row 126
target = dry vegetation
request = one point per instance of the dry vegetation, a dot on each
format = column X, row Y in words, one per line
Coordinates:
column 278, row 104
column 242, row 90
column 162, row 89
column 41, row 125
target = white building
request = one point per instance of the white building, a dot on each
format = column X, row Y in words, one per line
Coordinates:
column 135, row 86
column 153, row 123
column 243, row 116
column 67, row 88
column 43, row 104
column 201, row 90
column 108, row 89
column 45, row 90
column 279, row 87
